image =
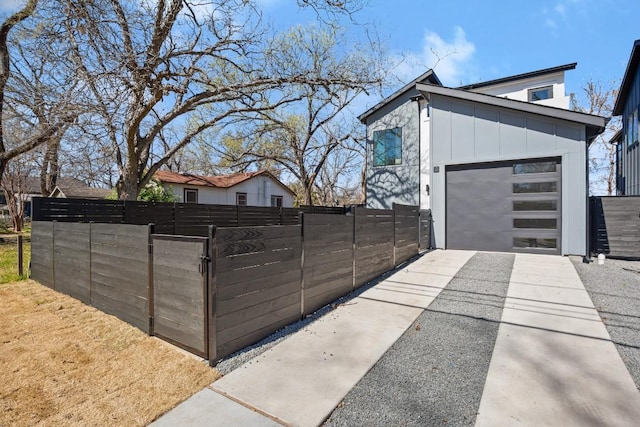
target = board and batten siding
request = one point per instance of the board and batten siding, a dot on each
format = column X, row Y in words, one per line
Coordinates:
column 391, row 184
column 630, row 159
column 464, row 132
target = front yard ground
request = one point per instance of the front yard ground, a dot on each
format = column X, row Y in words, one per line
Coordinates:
column 65, row 363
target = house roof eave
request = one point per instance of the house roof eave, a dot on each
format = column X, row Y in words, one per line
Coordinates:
column 516, row 77
column 429, row 75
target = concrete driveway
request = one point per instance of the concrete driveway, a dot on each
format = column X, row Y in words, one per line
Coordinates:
column 454, row 338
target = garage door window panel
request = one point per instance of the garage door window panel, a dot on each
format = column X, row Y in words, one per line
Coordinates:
column 541, row 223
column 534, row 167
column 535, row 187
column 535, row 205
column 535, row 242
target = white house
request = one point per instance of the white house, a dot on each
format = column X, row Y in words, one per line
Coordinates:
column 501, row 164
column 247, row 189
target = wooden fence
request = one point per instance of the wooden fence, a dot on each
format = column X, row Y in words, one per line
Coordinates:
column 188, row 219
column 615, row 226
column 104, row 265
column 235, row 287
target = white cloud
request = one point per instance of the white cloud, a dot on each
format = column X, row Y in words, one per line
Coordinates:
column 450, row 59
column 562, row 11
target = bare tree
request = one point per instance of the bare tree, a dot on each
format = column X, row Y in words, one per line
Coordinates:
column 302, row 137
column 598, row 98
column 161, row 73
column 15, row 185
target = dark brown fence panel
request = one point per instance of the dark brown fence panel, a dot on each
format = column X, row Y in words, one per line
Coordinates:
column 144, row 213
column 257, row 280
column 328, row 259
column 72, row 270
column 330, row 210
column 373, row 243
column 407, row 222
column 192, row 219
column 120, row 272
column 179, row 291
column 42, row 252
column 78, row 210
column 255, row 216
column 290, row 216
column 616, row 226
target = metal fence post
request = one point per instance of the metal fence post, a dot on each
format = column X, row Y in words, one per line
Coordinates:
column 353, row 239
column 53, row 254
column 20, row 269
column 150, row 294
column 393, row 216
column 301, row 222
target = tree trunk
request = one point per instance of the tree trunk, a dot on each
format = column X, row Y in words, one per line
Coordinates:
column 50, row 167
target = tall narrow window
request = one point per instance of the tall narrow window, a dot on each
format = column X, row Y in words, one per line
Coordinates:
column 387, row 147
column 276, row 201
column 190, row 195
column 241, row 199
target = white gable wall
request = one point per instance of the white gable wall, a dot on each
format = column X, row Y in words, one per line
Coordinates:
column 519, row 90
column 259, row 190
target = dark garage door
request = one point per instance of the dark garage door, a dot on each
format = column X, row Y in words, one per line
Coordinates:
column 507, row 206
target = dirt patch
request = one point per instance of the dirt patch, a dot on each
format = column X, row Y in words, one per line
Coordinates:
column 65, row 363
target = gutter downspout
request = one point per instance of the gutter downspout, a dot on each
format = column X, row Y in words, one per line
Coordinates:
column 587, row 258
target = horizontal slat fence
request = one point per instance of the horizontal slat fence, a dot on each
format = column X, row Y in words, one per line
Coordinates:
column 615, row 225
column 262, row 278
column 257, row 280
column 103, row 265
column 328, row 259
column 373, row 243
column 170, row 218
column 407, row 235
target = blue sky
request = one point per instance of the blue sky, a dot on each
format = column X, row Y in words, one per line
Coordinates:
column 484, row 40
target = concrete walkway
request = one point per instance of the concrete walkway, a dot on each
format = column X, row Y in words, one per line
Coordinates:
column 302, row 379
column 553, row 362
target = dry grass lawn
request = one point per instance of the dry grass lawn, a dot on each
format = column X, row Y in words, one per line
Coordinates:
column 65, row 363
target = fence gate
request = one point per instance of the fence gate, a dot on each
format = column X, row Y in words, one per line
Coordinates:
column 180, row 275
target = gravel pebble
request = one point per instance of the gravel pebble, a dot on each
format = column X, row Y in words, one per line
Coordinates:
column 614, row 289
column 435, row 373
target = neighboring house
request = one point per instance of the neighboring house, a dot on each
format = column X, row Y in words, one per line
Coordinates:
column 79, row 192
column 498, row 172
column 627, row 105
column 66, row 187
column 250, row 189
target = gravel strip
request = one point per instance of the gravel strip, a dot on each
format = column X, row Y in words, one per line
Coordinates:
column 435, row 373
column 614, row 289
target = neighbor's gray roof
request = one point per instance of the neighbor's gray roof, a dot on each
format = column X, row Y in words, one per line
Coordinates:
column 628, row 78
column 528, row 75
column 430, row 75
column 595, row 124
column 82, row 192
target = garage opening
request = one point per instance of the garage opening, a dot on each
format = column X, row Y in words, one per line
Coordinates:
column 512, row 206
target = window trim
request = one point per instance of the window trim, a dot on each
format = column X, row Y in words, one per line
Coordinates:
column 190, row 190
column 238, row 194
column 277, row 197
column 531, row 91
